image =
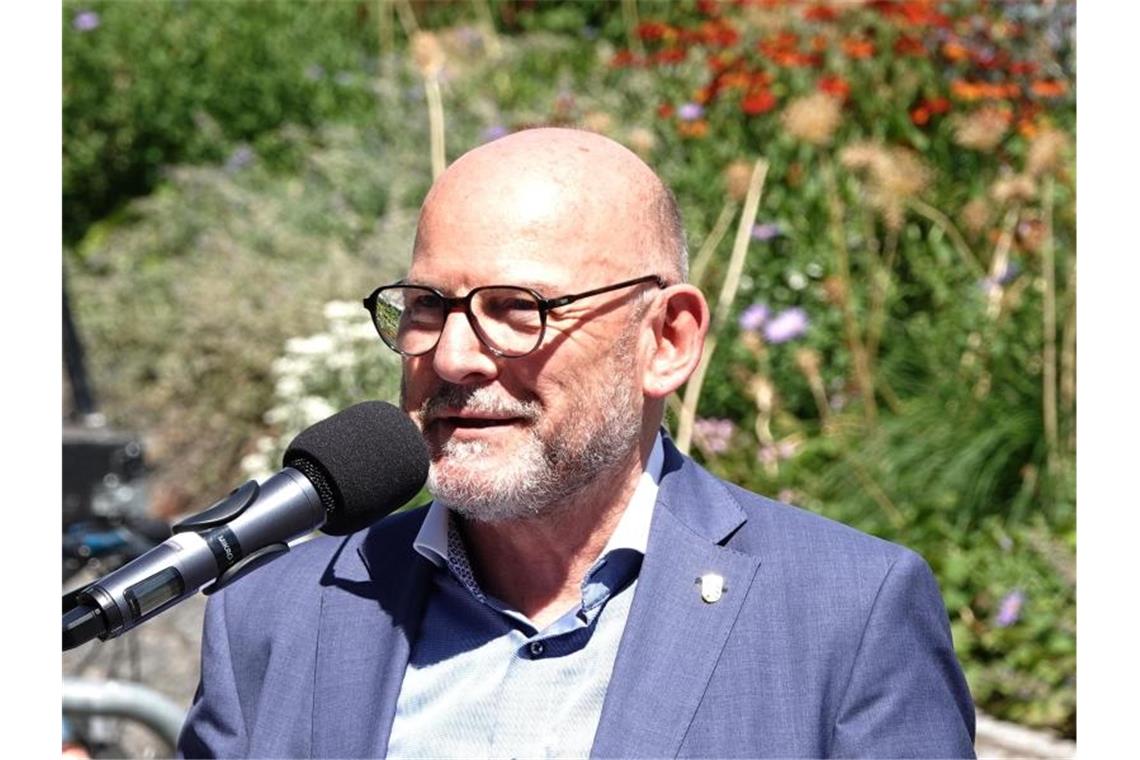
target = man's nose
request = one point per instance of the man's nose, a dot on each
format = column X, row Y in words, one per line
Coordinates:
column 459, row 356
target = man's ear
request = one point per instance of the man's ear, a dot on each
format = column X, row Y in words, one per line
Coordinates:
column 680, row 323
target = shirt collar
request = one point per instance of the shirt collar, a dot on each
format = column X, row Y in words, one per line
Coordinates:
column 632, row 531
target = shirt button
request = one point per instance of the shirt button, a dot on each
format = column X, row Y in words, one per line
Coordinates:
column 537, row 648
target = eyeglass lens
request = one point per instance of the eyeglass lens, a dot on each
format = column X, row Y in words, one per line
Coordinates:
column 411, row 318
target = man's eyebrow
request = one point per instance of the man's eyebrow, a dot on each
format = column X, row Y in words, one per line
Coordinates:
column 544, row 288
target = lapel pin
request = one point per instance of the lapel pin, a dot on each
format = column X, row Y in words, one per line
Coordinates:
column 712, row 587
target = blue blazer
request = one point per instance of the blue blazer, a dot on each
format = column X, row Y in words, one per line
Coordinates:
column 826, row 643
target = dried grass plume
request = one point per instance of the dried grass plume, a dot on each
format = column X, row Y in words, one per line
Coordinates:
column 813, row 118
column 891, row 176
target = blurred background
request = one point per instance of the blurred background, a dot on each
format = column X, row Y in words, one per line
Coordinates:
column 879, row 199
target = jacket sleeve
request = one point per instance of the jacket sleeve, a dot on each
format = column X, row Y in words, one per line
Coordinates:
column 214, row 725
column 906, row 695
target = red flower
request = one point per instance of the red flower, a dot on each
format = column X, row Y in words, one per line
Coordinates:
column 927, row 108
column 668, row 56
column 1023, row 68
column 623, row 58
column 907, row 45
column 719, row 33
column 709, row 7
column 665, row 110
column 651, row 30
column 757, row 102
column 834, row 85
column 938, row 105
column 821, row 13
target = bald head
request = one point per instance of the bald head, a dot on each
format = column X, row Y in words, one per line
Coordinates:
column 575, row 192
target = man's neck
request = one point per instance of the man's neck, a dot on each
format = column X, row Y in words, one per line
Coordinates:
column 536, row 565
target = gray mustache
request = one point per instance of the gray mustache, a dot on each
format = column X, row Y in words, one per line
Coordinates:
column 482, row 400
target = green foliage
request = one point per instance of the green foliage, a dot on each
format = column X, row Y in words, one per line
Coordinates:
column 159, row 83
column 187, row 298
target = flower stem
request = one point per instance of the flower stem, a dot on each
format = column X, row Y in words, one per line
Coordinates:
column 407, row 17
column 630, row 18
column 704, row 256
column 724, row 303
column 1049, row 350
column 863, row 377
column 937, row 217
column 435, row 119
column 692, row 396
column 494, row 46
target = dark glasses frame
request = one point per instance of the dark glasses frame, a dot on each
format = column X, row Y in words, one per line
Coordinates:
column 451, row 303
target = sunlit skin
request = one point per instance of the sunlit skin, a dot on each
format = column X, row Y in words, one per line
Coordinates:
column 560, row 211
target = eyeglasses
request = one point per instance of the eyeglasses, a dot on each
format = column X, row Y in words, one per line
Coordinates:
column 508, row 319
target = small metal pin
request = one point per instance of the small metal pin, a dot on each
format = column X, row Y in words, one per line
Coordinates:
column 712, row 587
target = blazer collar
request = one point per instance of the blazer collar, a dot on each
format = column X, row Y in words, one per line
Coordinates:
column 673, row 637
column 372, row 601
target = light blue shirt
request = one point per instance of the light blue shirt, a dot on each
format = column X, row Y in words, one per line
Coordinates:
column 484, row 681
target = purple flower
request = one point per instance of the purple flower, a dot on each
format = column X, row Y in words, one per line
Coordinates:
column 765, row 232
column 1008, row 274
column 787, row 325
column 753, row 318
column 690, row 112
column 714, row 435
column 85, row 21
column 1010, row 609
column 241, row 157
column 494, row 132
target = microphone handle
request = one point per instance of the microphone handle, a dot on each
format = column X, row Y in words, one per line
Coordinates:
column 283, row 508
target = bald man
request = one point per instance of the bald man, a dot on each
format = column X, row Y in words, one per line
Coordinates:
column 577, row 586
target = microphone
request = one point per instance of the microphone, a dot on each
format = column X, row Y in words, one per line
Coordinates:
column 340, row 475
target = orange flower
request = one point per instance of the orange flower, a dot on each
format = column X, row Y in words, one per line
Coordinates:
column 955, row 51
column 856, row 47
column 1049, row 88
column 698, row 128
column 719, row 33
column 920, row 116
column 757, row 102
column 623, row 58
column 1027, row 128
column 734, row 80
column 834, row 85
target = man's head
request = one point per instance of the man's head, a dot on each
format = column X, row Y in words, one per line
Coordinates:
column 560, row 212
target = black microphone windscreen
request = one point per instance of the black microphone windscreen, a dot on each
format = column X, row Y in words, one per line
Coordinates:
column 365, row 462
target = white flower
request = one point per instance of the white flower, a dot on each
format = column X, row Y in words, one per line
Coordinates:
column 342, row 310
column 315, row 409
column 321, row 343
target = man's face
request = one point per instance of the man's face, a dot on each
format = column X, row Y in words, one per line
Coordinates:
column 513, row 438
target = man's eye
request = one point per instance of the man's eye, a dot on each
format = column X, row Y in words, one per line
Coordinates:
column 502, row 305
column 425, row 302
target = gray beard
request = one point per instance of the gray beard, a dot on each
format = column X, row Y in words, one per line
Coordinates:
column 547, row 470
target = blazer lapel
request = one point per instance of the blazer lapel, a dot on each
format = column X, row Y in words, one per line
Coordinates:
column 371, row 606
column 674, row 637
